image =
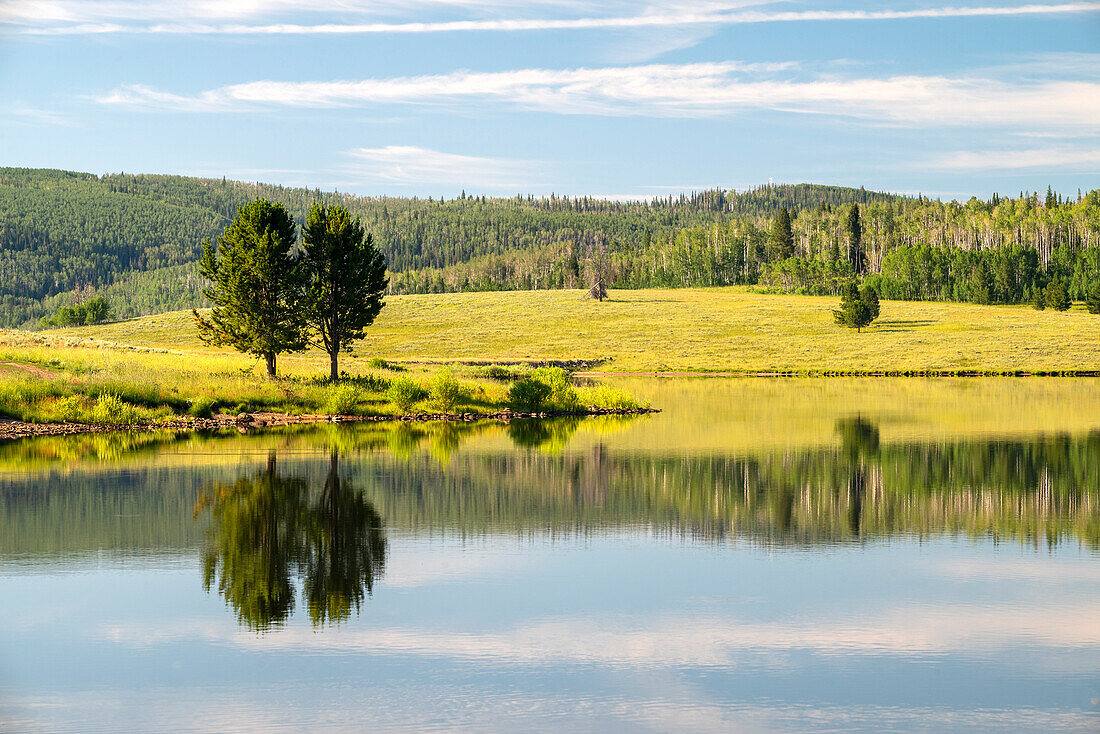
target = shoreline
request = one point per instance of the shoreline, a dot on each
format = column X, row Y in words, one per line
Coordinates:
column 12, row 429
column 846, row 373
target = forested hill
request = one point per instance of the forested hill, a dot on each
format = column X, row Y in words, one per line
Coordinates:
column 136, row 238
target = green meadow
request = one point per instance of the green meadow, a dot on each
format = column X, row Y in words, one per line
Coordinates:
column 707, row 329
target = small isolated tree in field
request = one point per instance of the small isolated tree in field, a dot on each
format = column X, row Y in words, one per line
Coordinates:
column 1056, row 295
column 256, row 285
column 853, row 312
column 1092, row 298
column 347, row 279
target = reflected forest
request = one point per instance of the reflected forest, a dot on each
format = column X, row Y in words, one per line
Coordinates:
column 299, row 517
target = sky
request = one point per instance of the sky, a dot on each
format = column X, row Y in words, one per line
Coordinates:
column 620, row 99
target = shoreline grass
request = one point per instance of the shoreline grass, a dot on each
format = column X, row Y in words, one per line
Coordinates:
column 56, row 379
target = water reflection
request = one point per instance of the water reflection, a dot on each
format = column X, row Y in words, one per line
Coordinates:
column 270, row 526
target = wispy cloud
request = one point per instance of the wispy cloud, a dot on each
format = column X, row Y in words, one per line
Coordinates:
column 75, row 18
column 683, row 90
column 408, row 165
column 1061, row 159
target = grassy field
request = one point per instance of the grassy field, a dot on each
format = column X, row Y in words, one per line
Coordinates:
column 717, row 329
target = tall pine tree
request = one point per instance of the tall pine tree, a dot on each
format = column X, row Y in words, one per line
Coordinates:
column 855, row 240
column 347, row 279
column 781, row 237
column 256, row 285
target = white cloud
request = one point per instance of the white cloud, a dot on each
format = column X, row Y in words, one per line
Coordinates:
column 684, row 90
column 1064, row 160
column 76, row 17
column 410, row 165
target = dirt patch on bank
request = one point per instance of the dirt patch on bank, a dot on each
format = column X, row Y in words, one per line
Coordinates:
column 27, row 368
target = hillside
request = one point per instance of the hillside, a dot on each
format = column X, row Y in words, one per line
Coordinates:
column 691, row 330
column 136, row 237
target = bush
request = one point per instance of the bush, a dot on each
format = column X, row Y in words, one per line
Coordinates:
column 445, row 391
column 404, row 393
column 203, row 407
column 528, row 394
column 563, row 396
column 111, row 410
column 343, row 398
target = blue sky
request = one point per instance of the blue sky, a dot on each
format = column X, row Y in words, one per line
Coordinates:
column 614, row 98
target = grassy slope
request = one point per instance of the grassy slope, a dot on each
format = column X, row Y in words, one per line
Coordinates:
column 696, row 329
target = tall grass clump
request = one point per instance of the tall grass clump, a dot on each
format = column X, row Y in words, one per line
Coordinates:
column 343, row 399
column 404, row 393
column 606, row 397
column 445, row 392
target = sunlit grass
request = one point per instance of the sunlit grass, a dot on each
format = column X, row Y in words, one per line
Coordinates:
column 689, row 329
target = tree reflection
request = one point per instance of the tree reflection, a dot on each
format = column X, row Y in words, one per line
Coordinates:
column 269, row 527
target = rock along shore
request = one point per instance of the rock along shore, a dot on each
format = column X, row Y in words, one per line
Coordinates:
column 15, row 429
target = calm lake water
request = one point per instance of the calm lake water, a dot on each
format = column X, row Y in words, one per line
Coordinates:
column 764, row 555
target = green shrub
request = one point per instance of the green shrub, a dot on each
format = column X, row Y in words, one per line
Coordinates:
column 445, row 391
column 203, row 407
column 528, row 394
column 111, row 410
column 563, row 396
column 69, row 409
column 404, row 392
column 343, row 398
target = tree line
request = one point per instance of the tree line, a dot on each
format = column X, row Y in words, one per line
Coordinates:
column 137, row 239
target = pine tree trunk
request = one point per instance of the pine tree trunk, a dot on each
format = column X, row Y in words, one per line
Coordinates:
column 270, row 359
column 333, row 368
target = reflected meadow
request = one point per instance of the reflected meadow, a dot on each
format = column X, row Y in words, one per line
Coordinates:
column 792, row 555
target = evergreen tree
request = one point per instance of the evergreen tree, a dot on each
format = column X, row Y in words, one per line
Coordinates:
column 573, row 266
column 853, row 312
column 854, row 225
column 256, row 285
column 869, row 296
column 1092, row 298
column 1056, row 295
column 347, row 279
column 781, row 237
column 1038, row 299
column 981, row 283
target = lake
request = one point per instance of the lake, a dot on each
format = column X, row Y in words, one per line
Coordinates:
column 763, row 555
